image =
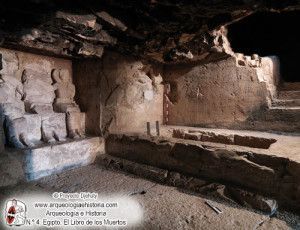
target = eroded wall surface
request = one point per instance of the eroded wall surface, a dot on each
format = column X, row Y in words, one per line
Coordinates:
column 27, row 96
column 220, row 94
column 118, row 94
column 25, row 60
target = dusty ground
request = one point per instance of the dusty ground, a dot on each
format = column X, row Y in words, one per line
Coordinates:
column 164, row 207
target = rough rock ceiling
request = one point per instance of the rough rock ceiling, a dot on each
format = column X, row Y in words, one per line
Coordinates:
column 162, row 30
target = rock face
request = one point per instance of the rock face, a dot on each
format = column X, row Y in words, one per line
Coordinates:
column 54, row 127
column 38, row 92
column 24, row 131
column 65, row 92
column 190, row 31
column 229, row 139
column 116, row 92
column 26, row 101
column 204, row 187
column 31, row 164
column 233, row 93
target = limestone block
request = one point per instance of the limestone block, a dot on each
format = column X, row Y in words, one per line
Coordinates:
column 11, row 89
column 64, row 88
column 54, row 127
column 148, row 95
column 178, row 133
column 12, row 110
column 255, row 142
column 61, row 107
column 47, row 160
column 10, row 62
column 38, row 91
column 64, row 91
column 24, row 131
column 217, row 138
column 39, row 108
column 75, row 124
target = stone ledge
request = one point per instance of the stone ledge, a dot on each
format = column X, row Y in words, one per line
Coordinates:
column 33, row 163
column 266, row 174
column 227, row 193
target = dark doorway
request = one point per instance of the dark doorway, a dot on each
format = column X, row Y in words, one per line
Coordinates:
column 268, row 33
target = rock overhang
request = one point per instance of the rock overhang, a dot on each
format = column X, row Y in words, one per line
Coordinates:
column 161, row 31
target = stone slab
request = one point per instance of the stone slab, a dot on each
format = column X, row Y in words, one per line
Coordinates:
column 268, row 174
column 54, row 127
column 47, row 160
column 24, row 131
column 31, row 164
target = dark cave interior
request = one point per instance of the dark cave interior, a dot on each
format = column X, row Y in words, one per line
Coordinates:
column 267, row 34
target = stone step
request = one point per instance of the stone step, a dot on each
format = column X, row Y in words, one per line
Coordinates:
column 289, row 94
column 283, row 113
column 286, row 103
column 33, row 163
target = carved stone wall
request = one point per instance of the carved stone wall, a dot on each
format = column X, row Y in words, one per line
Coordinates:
column 118, row 93
column 30, row 86
column 233, row 93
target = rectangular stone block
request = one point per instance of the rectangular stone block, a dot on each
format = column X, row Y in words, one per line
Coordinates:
column 217, row 138
column 33, row 126
column 54, row 127
column 76, row 124
column 47, row 160
column 255, row 142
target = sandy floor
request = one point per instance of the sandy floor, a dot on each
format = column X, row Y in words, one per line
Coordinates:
column 164, row 207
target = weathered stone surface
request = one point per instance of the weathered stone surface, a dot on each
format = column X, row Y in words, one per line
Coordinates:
column 245, row 198
column 76, row 124
column 116, row 92
column 179, row 133
column 11, row 89
column 11, row 168
column 24, row 131
column 241, row 96
column 9, row 63
column 85, row 20
column 31, row 164
column 255, row 142
column 218, row 138
column 12, row 110
column 64, row 91
column 192, row 136
column 2, row 135
column 38, row 91
column 35, row 96
column 54, row 127
column 263, row 173
column 113, row 21
column 204, row 187
column 91, row 50
column 47, row 160
column 168, row 31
